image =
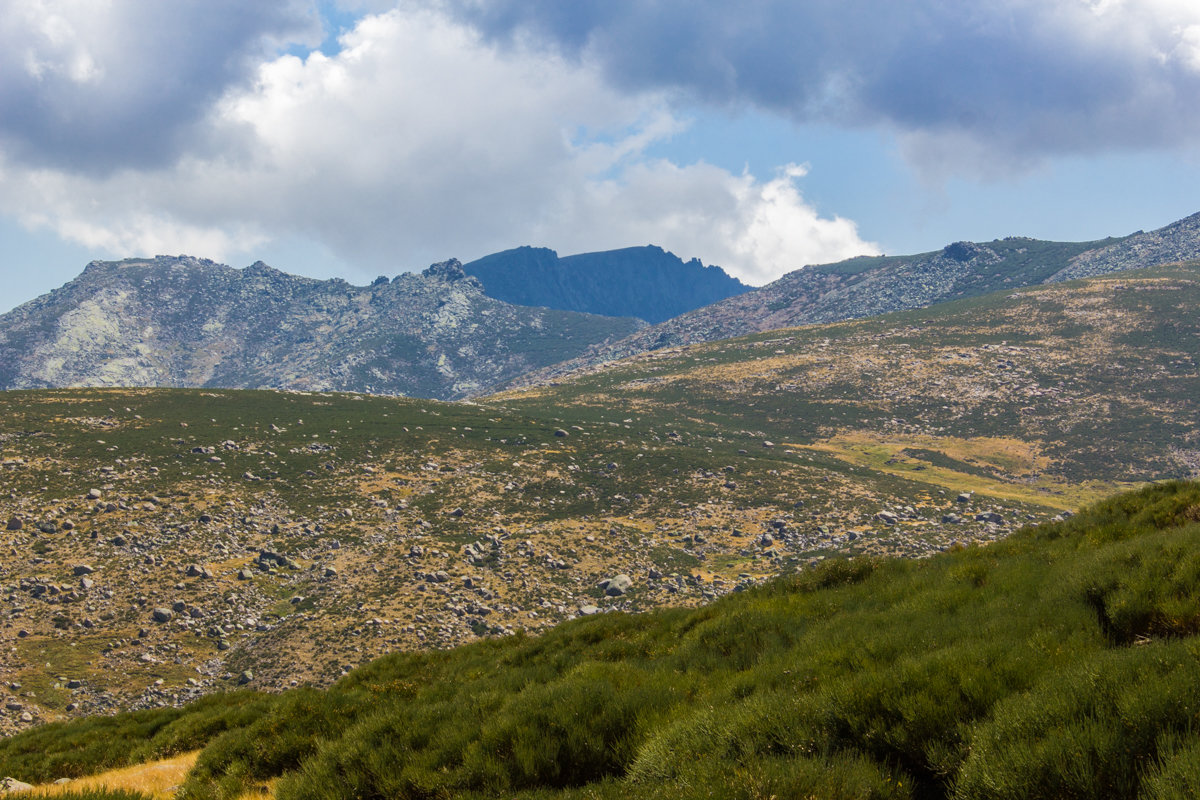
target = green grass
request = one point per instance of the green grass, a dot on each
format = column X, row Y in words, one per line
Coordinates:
column 1061, row 662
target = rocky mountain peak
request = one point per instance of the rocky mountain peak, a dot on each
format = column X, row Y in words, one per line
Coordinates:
column 448, row 271
column 183, row 321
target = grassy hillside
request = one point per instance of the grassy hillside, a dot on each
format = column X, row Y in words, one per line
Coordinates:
column 169, row 544
column 1041, row 388
column 1060, row 662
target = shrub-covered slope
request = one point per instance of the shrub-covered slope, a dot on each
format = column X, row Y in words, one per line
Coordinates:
column 1061, row 662
column 294, row 535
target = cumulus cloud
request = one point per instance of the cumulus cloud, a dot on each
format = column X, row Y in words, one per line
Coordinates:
column 420, row 140
column 1021, row 79
column 100, row 85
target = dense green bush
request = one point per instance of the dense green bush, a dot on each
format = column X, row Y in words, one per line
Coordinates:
column 1061, row 662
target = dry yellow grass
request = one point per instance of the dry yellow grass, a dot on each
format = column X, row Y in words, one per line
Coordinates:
column 1019, row 459
column 158, row 779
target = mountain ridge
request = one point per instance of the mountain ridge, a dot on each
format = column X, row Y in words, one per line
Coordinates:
column 184, row 321
column 865, row 286
column 644, row 282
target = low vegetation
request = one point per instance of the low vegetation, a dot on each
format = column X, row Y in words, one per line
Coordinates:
column 1062, row 661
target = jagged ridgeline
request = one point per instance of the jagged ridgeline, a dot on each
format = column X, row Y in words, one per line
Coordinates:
column 1061, row 662
column 190, row 322
column 868, row 286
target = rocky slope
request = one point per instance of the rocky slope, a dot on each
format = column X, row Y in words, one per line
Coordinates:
column 866, row 286
column 644, row 282
column 1178, row 241
column 158, row 544
column 191, row 322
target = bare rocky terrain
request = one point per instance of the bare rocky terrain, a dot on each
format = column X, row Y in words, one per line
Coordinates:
column 191, row 322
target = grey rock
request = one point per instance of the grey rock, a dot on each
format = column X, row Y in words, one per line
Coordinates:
column 14, row 786
column 83, row 569
column 15, row 524
column 616, row 585
column 161, row 615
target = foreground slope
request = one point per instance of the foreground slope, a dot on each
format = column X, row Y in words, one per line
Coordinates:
column 297, row 535
column 190, row 322
column 1061, row 662
column 868, row 286
column 644, row 282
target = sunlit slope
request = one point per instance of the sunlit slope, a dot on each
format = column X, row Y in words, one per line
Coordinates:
column 279, row 539
column 1060, row 662
column 1046, row 391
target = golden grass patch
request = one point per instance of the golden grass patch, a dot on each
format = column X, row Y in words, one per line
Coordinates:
column 158, row 779
column 1021, row 460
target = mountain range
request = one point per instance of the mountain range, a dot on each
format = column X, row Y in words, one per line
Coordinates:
column 191, row 322
column 866, row 556
column 867, row 286
column 515, row 318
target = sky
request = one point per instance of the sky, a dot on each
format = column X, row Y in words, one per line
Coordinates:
column 357, row 138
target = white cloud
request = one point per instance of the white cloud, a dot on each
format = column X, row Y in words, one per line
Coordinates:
column 419, row 141
column 97, row 85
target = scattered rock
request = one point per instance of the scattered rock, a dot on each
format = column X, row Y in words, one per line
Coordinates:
column 13, row 786
column 15, row 524
column 94, row 494
column 83, row 569
column 162, row 614
column 616, row 585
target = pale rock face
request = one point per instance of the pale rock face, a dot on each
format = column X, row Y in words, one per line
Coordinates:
column 190, row 322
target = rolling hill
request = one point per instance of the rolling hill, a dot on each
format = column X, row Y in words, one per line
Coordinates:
column 204, row 538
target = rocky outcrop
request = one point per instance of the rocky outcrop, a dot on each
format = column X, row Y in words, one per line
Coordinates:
column 1178, row 241
column 187, row 321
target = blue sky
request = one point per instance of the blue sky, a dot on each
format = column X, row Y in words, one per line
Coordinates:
column 365, row 137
